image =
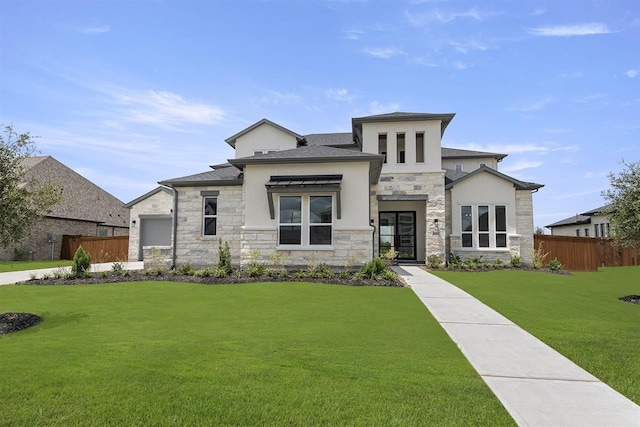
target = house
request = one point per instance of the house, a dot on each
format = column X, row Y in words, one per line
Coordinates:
column 593, row 223
column 85, row 209
column 343, row 198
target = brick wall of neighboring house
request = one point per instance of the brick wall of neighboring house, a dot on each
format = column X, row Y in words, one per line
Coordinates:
column 36, row 241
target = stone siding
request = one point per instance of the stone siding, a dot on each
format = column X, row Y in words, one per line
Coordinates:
column 524, row 224
column 350, row 247
column 430, row 184
column 191, row 245
column 160, row 203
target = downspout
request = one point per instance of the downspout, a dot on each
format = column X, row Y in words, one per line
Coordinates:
column 175, row 228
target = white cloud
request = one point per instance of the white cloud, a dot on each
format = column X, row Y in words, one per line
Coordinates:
column 165, row 109
column 536, row 105
column 571, row 30
column 376, row 107
column 530, row 147
column 383, row 52
column 459, row 65
column 466, row 47
column 279, row 98
column 444, row 17
column 353, row 34
column 575, row 75
column 520, row 165
column 95, row 29
column 538, row 12
column 340, row 95
column 632, row 73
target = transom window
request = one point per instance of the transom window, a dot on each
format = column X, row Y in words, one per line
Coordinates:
column 483, row 226
column 305, row 220
column 210, row 216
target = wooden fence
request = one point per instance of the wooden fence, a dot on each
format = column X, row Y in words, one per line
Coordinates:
column 101, row 249
column 585, row 253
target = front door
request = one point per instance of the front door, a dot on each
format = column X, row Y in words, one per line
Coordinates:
column 398, row 232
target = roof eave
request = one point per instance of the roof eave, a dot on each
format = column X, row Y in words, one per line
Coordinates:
column 201, row 183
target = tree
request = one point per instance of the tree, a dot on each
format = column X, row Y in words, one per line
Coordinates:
column 624, row 205
column 22, row 202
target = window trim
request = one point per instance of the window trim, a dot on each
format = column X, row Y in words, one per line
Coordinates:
column 206, row 196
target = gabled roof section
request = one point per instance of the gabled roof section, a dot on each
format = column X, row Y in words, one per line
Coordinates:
column 232, row 139
column 577, row 219
column 314, row 154
column 222, row 176
column 338, row 140
column 156, row 190
column 451, row 175
column 602, row 210
column 456, row 153
column 446, row 118
column 519, row 185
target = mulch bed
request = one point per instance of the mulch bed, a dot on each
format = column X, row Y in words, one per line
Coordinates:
column 633, row 299
column 12, row 322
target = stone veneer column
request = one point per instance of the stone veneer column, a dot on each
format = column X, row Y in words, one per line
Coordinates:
column 524, row 224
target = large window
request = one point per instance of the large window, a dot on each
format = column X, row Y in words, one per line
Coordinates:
column 305, row 220
column 483, row 226
column 210, row 216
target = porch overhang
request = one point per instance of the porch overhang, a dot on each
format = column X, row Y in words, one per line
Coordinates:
column 306, row 184
column 402, row 197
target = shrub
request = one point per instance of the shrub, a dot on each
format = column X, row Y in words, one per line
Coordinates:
column 104, row 274
column 117, row 267
column 434, row 261
column 554, row 265
column 126, row 273
column 539, row 255
column 187, row 270
column 81, row 262
column 224, row 258
column 220, row 272
column 372, row 269
column 516, row 261
column 277, row 260
column 158, row 271
column 389, row 256
column 389, row 275
column 497, row 263
column 204, row 272
column 454, row 260
column 256, row 269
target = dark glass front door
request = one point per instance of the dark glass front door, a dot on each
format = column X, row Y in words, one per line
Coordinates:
column 398, row 231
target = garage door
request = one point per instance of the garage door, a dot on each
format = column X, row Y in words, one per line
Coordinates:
column 154, row 232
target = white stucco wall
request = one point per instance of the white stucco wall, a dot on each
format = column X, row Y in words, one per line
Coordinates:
column 432, row 151
column 264, row 137
column 469, row 165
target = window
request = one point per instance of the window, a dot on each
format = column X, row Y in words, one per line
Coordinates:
column 595, row 230
column 577, row 232
column 586, row 232
column 382, row 145
column 210, row 216
column 458, row 168
column 484, row 226
column 400, row 147
column 602, row 230
column 305, row 220
column 420, row 147
column 608, row 229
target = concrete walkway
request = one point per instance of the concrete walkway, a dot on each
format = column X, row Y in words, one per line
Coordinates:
column 22, row 276
column 536, row 384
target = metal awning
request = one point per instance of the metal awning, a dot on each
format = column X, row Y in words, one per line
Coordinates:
column 306, row 184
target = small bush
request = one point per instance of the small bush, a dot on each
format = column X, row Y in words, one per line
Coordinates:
column 220, row 272
column 539, row 255
column 204, row 272
column 104, row 274
column 455, row 261
column 117, row 267
column 434, row 261
column 516, row 261
column 187, row 270
column 389, row 275
column 224, row 258
column 497, row 263
column 554, row 265
column 372, row 269
column 389, row 256
column 256, row 270
column 81, row 262
column 126, row 273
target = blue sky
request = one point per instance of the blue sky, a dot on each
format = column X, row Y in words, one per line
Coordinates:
column 129, row 93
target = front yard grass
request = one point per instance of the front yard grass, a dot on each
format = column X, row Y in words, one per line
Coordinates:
column 578, row 315
column 166, row 353
column 7, row 266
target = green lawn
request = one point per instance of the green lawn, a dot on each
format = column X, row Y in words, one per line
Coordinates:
column 158, row 353
column 6, row 266
column 578, row 315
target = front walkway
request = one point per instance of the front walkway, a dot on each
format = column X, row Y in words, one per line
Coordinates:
column 22, row 276
column 536, row 384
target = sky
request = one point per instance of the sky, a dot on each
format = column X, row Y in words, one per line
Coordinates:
column 129, row 93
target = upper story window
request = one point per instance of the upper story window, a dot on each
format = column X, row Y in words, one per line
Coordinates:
column 400, row 148
column 483, row 226
column 256, row 152
column 420, row 147
column 459, row 168
column 210, row 216
column 382, row 145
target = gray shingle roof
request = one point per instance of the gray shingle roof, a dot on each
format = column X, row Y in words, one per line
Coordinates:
column 222, row 176
column 576, row 219
column 520, row 185
column 232, row 139
column 451, row 175
column 602, row 210
column 456, row 153
column 307, row 154
column 81, row 198
column 330, row 139
column 357, row 122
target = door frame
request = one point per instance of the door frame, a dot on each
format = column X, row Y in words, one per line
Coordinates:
column 396, row 234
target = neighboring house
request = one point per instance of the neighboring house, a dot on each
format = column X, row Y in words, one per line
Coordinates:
column 593, row 223
column 343, row 198
column 85, row 210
